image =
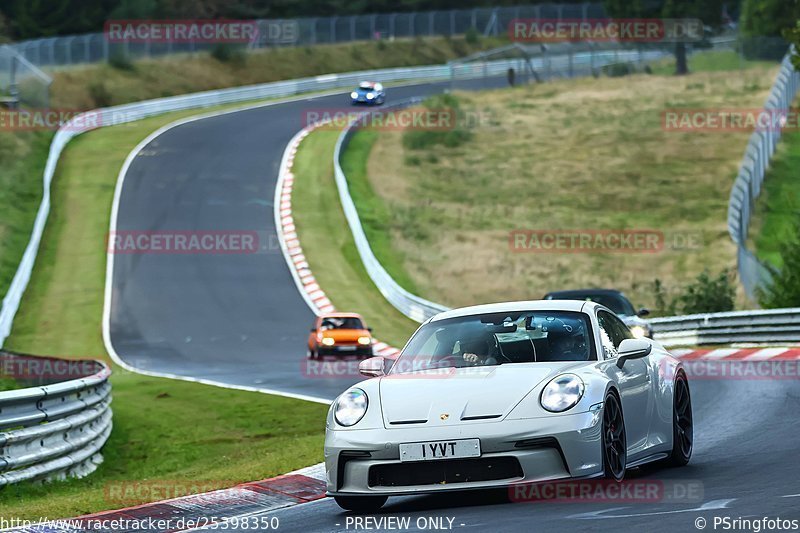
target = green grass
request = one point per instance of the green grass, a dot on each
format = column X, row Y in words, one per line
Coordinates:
column 163, row 429
column 778, row 206
column 7, row 383
column 328, row 244
column 372, row 209
column 22, row 159
column 708, row 61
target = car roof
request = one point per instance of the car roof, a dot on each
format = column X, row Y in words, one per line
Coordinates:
column 526, row 305
column 589, row 292
column 341, row 315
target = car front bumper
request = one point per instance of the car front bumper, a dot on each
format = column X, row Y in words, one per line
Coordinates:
column 360, row 462
column 345, row 350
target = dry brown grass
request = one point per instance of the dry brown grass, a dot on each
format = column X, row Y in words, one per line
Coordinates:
column 585, row 154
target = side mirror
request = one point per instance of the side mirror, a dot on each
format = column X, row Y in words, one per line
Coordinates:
column 643, row 312
column 313, row 330
column 369, row 329
column 633, row 349
column 372, row 367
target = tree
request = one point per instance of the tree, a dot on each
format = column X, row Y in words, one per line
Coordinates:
column 793, row 36
column 708, row 11
column 784, row 290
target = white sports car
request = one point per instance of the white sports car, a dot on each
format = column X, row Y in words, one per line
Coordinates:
column 502, row 394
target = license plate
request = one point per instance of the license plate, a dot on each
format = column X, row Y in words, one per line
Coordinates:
column 443, row 449
column 346, row 348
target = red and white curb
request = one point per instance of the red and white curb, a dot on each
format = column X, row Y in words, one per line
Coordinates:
column 739, row 354
column 312, row 293
column 200, row 511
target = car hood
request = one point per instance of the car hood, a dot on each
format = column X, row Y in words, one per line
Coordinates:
column 464, row 395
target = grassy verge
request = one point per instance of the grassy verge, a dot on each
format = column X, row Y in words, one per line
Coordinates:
column 22, row 158
column 709, row 61
column 7, row 384
column 103, row 85
column 164, row 431
column 328, row 244
column 564, row 156
column 373, row 211
column 778, row 206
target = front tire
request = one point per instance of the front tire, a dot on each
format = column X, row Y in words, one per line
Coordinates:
column 615, row 444
column 682, row 424
column 360, row 504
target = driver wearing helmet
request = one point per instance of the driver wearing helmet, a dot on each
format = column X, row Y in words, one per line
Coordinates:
column 567, row 342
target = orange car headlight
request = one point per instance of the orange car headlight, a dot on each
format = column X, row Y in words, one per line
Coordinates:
column 328, row 341
column 366, row 341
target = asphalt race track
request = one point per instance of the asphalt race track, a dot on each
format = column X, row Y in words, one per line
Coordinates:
column 744, row 464
column 239, row 319
column 232, row 318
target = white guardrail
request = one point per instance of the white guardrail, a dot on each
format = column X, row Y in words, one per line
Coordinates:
column 747, row 187
column 55, row 429
column 758, row 326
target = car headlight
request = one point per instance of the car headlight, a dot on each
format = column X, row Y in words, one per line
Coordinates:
column 562, row 393
column 639, row 332
column 353, row 95
column 328, row 341
column 370, row 96
column 351, row 407
column 364, row 340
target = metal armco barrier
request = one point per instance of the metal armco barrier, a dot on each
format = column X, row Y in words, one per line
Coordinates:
column 747, row 187
column 56, row 428
column 771, row 326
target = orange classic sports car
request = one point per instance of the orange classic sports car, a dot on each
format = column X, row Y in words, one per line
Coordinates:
column 340, row 334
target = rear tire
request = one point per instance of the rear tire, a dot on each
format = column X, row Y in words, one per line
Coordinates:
column 361, row 504
column 312, row 355
column 615, row 443
column 682, row 424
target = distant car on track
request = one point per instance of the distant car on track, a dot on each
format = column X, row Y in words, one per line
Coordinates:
column 369, row 93
column 505, row 394
column 339, row 334
column 614, row 300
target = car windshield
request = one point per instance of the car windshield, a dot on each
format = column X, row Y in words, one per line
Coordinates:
column 616, row 302
column 348, row 322
column 498, row 338
column 366, row 86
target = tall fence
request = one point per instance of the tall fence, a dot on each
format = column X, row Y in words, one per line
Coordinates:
column 94, row 47
column 747, row 187
column 21, row 80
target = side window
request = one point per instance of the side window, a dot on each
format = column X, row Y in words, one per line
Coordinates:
column 610, row 335
column 622, row 329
